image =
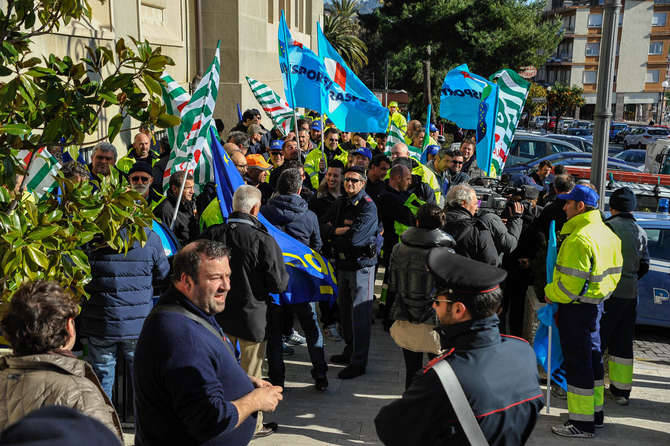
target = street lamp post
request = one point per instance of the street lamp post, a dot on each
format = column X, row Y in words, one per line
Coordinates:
column 546, row 125
column 665, row 84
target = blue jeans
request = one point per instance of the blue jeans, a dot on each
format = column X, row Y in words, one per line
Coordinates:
column 355, row 296
column 102, row 354
column 306, row 313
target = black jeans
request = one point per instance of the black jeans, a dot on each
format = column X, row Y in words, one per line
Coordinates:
column 413, row 363
column 306, row 313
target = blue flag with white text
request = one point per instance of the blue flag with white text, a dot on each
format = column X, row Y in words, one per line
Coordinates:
column 303, row 73
column 349, row 103
column 460, row 96
column 486, row 126
column 312, row 278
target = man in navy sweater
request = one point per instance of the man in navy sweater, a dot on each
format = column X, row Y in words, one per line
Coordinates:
column 189, row 386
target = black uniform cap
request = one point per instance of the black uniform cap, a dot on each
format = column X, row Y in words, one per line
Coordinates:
column 141, row 166
column 463, row 275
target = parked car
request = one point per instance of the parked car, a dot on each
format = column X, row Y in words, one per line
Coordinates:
column 634, row 157
column 653, row 306
column 565, row 124
column 579, row 131
column 583, row 124
column 643, row 136
column 527, row 146
column 615, row 128
column 581, row 143
column 580, row 159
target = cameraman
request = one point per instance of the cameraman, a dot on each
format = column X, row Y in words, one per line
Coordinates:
column 506, row 230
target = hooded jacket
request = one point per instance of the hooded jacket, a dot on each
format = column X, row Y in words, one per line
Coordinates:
column 52, row 379
column 291, row 214
column 410, row 281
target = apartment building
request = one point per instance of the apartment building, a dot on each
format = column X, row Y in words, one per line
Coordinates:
column 187, row 31
column 641, row 58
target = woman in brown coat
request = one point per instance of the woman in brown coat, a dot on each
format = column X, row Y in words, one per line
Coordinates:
column 43, row 371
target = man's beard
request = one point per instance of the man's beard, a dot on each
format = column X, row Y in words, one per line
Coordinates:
column 141, row 189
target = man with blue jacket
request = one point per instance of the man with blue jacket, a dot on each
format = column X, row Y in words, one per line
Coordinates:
column 121, row 290
column 189, row 386
column 289, row 212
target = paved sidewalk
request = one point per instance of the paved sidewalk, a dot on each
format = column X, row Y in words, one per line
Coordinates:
column 345, row 413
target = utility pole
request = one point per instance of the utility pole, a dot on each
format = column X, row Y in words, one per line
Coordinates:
column 427, row 99
column 603, row 113
column 386, row 82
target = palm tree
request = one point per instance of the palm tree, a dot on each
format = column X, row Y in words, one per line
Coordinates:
column 341, row 28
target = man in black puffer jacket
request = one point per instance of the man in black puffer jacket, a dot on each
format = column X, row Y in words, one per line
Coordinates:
column 410, row 281
column 289, row 212
column 121, row 298
column 473, row 239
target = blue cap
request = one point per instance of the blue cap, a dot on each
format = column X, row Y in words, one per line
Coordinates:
column 433, row 128
column 582, row 193
column 363, row 151
column 432, row 149
column 316, row 125
column 329, row 122
column 524, row 180
column 277, row 144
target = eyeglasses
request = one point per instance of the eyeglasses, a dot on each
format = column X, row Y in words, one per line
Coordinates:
column 457, row 162
column 333, row 139
column 140, row 179
column 276, row 154
column 353, row 180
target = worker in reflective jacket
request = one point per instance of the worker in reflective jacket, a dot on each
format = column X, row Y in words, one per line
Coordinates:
column 587, row 271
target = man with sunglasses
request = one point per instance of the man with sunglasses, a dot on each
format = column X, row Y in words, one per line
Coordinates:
column 141, row 179
column 454, row 174
column 352, row 231
column 498, row 374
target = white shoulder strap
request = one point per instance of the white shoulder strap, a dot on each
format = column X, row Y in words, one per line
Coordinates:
column 459, row 402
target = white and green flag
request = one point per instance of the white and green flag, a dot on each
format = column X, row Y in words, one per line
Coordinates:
column 276, row 108
column 175, row 99
column 394, row 136
column 513, row 90
column 41, row 176
column 191, row 150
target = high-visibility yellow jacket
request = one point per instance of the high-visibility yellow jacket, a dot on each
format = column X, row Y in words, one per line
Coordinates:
column 313, row 159
column 399, row 121
column 427, row 176
column 127, row 162
column 589, row 262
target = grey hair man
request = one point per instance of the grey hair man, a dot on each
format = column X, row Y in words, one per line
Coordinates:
column 473, row 239
column 104, row 157
column 258, row 270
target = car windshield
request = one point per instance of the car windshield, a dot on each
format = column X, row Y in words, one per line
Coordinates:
column 658, row 131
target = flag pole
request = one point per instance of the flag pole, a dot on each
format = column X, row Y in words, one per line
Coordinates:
column 288, row 79
column 181, row 192
column 323, row 147
column 549, row 370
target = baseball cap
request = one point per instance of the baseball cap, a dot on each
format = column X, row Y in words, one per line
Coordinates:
column 316, row 125
column 276, row 145
column 256, row 161
column 623, row 200
column 433, row 128
column 141, row 166
column 393, row 104
column 363, row 151
column 582, row 193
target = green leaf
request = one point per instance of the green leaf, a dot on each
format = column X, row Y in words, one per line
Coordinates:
column 165, row 120
column 52, row 216
column 15, row 129
column 152, row 84
column 4, row 195
column 43, row 232
column 38, row 257
column 9, row 48
column 115, row 127
column 79, row 259
column 109, row 97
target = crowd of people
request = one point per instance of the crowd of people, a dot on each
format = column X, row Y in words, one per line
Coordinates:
column 456, row 277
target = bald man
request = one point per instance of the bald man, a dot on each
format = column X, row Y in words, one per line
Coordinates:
column 140, row 151
column 424, row 183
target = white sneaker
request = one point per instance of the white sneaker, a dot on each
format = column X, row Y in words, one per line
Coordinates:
column 570, row 430
column 295, row 338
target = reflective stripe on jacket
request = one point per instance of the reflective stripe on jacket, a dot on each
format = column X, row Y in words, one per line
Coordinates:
column 589, row 262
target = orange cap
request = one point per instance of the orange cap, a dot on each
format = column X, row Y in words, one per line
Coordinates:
column 257, row 161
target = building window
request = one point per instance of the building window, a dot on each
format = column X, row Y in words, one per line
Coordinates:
column 590, row 77
column 620, row 18
column 658, row 19
column 595, row 20
column 652, row 76
column 593, row 49
column 271, row 11
column 656, row 48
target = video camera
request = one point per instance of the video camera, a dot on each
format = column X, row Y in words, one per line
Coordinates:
column 497, row 194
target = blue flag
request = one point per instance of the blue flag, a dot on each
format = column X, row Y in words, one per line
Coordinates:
column 349, row 103
column 460, row 96
column 312, row 278
column 546, row 317
column 486, row 126
column 303, row 73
